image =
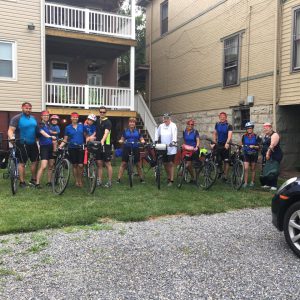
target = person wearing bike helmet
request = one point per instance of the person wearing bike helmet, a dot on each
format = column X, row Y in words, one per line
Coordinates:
column 131, row 135
column 90, row 128
column 166, row 133
column 191, row 138
column 54, row 130
column 250, row 142
column 221, row 137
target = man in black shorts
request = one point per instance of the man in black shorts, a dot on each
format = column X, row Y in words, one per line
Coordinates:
column 24, row 128
column 103, row 131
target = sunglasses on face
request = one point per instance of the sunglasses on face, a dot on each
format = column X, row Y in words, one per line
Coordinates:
column 102, row 112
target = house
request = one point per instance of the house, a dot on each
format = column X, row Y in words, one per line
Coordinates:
column 63, row 56
column 237, row 56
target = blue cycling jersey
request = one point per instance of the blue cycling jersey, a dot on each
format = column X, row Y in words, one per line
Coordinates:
column 89, row 129
column 131, row 136
column 190, row 138
column 56, row 129
column 222, row 129
column 75, row 135
column 44, row 141
column 249, row 140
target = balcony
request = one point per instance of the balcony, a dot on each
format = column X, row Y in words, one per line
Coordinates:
column 88, row 21
column 85, row 96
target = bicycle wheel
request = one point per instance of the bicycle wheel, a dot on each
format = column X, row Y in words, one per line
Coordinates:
column 237, row 176
column 157, row 173
column 181, row 174
column 130, row 170
column 91, row 176
column 61, row 177
column 210, row 174
column 13, row 174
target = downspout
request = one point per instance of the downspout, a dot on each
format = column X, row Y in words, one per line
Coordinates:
column 150, row 59
column 275, row 71
column 43, row 54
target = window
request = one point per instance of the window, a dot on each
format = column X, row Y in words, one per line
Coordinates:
column 164, row 7
column 240, row 115
column 7, row 60
column 231, row 61
column 60, row 72
column 296, row 41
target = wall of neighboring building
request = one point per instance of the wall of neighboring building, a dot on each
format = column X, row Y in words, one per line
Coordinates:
column 187, row 63
column 289, row 85
column 14, row 19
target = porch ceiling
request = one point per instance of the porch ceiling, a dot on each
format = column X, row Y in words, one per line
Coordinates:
column 89, row 49
column 107, row 5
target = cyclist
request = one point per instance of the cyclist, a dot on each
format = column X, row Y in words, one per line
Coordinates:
column 54, row 130
column 131, row 135
column 25, row 127
column 250, row 142
column 166, row 133
column 74, row 136
column 222, row 136
column 191, row 138
column 271, row 150
column 103, row 132
column 90, row 128
column 45, row 141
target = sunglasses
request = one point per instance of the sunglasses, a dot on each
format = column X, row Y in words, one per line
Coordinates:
column 102, row 112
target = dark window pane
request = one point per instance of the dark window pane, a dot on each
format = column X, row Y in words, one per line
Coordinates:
column 164, row 17
column 6, row 68
column 231, row 60
column 230, row 76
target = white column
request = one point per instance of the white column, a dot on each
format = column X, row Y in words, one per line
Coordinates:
column 43, row 56
column 133, row 19
column 87, row 20
column 132, row 76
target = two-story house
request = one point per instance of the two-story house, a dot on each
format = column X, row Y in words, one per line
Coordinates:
column 237, row 56
column 63, row 56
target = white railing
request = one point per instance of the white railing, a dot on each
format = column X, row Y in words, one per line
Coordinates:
column 85, row 96
column 141, row 107
column 87, row 20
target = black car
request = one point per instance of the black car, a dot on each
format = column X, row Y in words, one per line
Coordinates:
column 286, row 212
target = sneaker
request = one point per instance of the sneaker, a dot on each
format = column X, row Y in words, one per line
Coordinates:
column 38, row 186
column 99, row 183
column 170, row 183
column 32, row 182
column 245, row 185
column 48, row 184
column 273, row 188
column 118, row 180
column 265, row 187
column 23, row 184
column 108, row 185
column 252, row 184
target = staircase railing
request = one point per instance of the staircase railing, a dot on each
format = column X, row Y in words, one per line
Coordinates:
column 141, row 107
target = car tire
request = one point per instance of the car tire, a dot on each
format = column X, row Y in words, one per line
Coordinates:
column 291, row 227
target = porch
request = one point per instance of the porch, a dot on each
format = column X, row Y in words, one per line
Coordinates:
column 89, row 21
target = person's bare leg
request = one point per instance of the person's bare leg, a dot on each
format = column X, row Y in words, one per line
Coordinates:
column 33, row 169
column 109, row 170
column 100, row 169
column 43, row 166
column 121, row 169
column 253, row 168
column 22, row 172
column 75, row 169
column 246, row 166
column 226, row 169
column 80, row 174
column 50, row 169
column 139, row 170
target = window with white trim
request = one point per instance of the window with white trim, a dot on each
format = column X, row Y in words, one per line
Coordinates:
column 231, row 61
column 7, row 60
column 296, row 41
column 164, row 17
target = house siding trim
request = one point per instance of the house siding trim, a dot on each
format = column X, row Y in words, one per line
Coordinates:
column 189, row 21
column 213, row 86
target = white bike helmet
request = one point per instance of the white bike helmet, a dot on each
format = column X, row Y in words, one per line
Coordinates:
column 92, row 117
column 249, row 125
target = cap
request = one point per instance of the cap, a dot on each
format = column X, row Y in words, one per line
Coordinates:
column 92, row 117
column 54, row 117
column 166, row 115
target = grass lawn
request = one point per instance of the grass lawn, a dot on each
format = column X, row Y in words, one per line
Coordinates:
column 32, row 209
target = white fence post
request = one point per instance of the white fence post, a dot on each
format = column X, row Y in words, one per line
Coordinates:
column 87, row 20
column 86, row 97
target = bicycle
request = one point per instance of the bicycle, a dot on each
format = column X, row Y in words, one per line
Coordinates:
column 61, row 172
column 182, row 171
column 130, row 163
column 12, row 166
column 206, row 171
column 238, row 169
column 91, row 165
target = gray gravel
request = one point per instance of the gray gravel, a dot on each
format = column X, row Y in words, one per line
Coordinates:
column 236, row 255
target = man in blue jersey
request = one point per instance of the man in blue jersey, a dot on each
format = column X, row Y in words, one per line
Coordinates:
column 222, row 136
column 24, row 128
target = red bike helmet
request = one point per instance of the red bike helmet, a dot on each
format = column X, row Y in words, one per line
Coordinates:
column 54, row 117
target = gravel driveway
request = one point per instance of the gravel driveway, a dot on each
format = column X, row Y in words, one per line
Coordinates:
column 236, row 255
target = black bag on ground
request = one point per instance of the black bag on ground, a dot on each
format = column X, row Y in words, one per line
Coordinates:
column 270, row 172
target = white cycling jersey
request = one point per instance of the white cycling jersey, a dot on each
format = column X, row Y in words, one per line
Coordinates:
column 167, row 134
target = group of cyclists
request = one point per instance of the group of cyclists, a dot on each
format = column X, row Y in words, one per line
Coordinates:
column 39, row 141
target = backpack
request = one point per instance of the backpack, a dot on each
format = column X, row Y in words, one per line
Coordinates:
column 270, row 171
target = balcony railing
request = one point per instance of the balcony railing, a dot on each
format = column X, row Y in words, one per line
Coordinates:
column 85, row 96
column 87, row 20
